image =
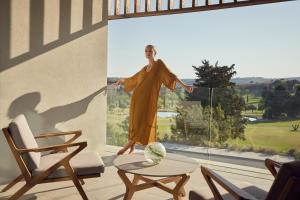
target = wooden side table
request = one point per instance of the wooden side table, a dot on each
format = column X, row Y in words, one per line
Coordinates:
column 173, row 168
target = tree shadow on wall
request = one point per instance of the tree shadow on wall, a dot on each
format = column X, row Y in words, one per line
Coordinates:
column 46, row 121
column 40, row 122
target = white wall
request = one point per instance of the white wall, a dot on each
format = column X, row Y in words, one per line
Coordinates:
column 53, row 59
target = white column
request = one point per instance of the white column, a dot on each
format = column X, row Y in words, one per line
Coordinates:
column 118, row 6
column 148, row 5
column 128, row 6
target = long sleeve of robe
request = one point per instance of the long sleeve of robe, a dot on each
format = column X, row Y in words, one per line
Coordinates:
column 133, row 81
column 143, row 106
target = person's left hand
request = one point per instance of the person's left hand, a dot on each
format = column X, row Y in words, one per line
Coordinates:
column 189, row 88
column 118, row 83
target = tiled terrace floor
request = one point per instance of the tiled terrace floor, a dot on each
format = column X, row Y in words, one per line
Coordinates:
column 110, row 187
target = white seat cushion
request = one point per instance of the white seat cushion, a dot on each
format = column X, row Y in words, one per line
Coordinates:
column 84, row 163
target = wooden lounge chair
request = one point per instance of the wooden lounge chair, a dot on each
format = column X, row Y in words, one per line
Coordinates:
column 58, row 165
column 273, row 166
column 286, row 185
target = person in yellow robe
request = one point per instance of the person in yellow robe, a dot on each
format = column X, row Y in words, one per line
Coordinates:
column 145, row 85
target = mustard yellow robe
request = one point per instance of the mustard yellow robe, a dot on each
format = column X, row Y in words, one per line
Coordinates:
column 143, row 106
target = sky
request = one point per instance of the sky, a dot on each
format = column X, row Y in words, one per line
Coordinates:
column 262, row 41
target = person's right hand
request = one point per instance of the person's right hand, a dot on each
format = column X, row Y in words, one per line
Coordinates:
column 189, row 88
column 117, row 83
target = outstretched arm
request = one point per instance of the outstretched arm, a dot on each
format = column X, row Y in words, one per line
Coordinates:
column 131, row 82
column 188, row 88
column 169, row 79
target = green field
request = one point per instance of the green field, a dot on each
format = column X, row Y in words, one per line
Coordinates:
column 267, row 136
column 252, row 99
column 276, row 136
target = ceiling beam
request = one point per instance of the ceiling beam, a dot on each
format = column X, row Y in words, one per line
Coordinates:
column 194, row 8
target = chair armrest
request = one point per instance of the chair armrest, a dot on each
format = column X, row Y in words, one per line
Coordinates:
column 272, row 165
column 236, row 192
column 76, row 134
column 55, row 134
column 54, row 147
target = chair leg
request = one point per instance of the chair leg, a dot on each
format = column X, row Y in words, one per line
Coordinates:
column 21, row 191
column 82, row 181
column 14, row 182
column 76, row 181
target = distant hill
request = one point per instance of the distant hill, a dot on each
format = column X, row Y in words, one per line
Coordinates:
column 238, row 80
column 249, row 80
column 259, row 80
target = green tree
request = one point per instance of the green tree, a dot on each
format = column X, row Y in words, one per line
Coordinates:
column 281, row 99
column 210, row 76
column 294, row 103
column 222, row 124
column 114, row 136
column 251, row 107
column 214, row 87
column 125, row 125
column 191, row 121
column 276, row 102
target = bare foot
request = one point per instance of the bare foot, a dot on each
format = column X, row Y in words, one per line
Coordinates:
column 122, row 151
column 132, row 147
column 126, row 147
